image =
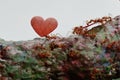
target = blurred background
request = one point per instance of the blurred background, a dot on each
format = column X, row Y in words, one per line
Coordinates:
column 15, row 15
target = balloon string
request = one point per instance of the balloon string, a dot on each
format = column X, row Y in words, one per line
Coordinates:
column 44, row 41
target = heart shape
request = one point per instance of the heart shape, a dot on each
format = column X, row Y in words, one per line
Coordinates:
column 43, row 27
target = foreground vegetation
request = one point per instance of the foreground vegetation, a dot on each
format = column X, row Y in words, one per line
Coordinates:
column 85, row 55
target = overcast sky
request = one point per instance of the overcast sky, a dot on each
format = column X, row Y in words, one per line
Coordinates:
column 15, row 15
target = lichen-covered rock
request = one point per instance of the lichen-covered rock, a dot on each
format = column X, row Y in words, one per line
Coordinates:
column 77, row 57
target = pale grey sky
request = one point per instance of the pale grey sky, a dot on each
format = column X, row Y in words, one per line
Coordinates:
column 15, row 15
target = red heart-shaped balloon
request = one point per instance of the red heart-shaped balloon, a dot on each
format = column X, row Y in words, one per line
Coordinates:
column 43, row 27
